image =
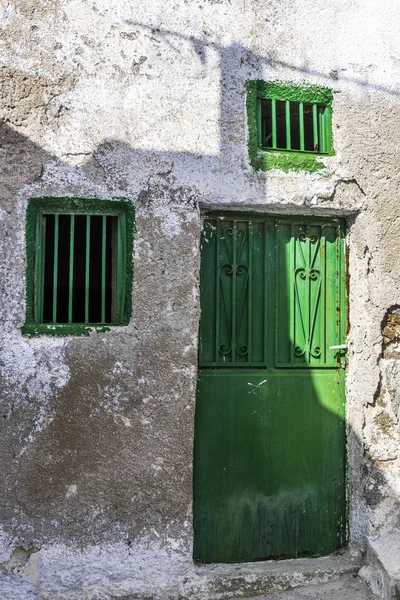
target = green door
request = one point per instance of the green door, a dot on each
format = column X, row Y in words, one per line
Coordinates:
column 269, row 465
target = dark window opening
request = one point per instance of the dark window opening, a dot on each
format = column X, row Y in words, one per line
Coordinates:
column 80, row 261
column 288, row 125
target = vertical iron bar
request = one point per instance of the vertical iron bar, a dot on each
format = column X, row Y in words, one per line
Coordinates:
column 264, row 133
column 269, row 242
column 217, row 290
column 55, row 269
column 119, row 269
column 321, row 130
column 250, row 292
column 259, row 123
column 315, row 128
column 341, row 263
column 288, row 138
column 234, row 236
column 39, row 267
column 87, row 268
column 339, row 283
column 301, row 123
column 103, row 269
column 277, row 277
column 71, row 266
column 292, row 293
column 273, row 119
column 115, row 257
column 42, row 267
column 327, row 128
column 323, row 270
column 308, row 315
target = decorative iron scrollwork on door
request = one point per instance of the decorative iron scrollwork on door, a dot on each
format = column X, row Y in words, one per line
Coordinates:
column 309, row 292
column 234, row 295
column 307, row 300
column 233, row 283
column 266, row 277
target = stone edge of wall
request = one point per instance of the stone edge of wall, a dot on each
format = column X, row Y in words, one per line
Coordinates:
column 381, row 570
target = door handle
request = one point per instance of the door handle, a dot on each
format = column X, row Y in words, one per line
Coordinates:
column 338, row 347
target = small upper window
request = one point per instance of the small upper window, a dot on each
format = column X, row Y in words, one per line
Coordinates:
column 287, row 125
column 79, row 268
column 290, row 126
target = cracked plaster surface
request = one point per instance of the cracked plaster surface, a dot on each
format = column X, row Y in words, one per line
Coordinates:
column 146, row 101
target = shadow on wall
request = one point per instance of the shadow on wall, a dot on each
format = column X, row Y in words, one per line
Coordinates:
column 23, row 162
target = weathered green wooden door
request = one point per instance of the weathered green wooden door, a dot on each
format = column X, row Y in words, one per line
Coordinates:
column 269, row 466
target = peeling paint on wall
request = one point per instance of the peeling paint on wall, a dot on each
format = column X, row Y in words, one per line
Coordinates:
column 148, row 102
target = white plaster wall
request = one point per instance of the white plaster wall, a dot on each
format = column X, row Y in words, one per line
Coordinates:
column 146, row 100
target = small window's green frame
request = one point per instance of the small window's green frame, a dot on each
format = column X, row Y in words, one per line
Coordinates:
column 273, row 158
column 119, row 207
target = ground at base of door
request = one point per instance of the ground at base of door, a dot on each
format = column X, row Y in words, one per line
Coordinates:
column 347, row 587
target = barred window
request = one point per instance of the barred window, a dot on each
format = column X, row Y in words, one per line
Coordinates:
column 80, row 263
column 287, row 125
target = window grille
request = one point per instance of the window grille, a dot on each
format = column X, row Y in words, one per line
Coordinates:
column 80, row 264
column 293, row 126
column 289, row 125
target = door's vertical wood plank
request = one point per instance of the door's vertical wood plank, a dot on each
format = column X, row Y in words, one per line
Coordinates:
column 250, row 293
column 234, row 299
column 217, row 290
column 301, row 125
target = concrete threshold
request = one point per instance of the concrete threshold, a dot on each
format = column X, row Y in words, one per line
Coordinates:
column 382, row 566
column 192, row 582
column 222, row 582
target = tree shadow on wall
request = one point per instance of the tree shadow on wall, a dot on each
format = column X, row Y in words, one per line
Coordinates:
column 23, row 162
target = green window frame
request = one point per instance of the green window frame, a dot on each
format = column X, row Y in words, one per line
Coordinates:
column 290, row 125
column 79, row 268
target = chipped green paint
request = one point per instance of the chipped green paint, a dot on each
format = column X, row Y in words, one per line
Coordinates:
column 269, row 452
column 61, row 330
column 263, row 160
column 76, row 205
column 276, row 90
column 289, row 161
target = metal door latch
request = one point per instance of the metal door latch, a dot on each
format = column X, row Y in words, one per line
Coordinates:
column 340, row 347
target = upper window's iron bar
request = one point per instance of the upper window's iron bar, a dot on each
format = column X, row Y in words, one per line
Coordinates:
column 301, row 125
column 273, row 119
column 288, row 131
column 321, row 129
column 260, row 128
column 315, row 128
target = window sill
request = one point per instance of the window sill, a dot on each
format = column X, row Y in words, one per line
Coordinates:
column 75, row 329
column 288, row 161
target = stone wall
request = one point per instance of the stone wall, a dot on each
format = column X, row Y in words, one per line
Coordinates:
column 146, row 101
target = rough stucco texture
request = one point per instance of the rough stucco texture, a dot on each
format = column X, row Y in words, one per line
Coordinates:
column 146, row 100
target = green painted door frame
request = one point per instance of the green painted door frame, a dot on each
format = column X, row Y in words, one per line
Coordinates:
column 269, row 463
